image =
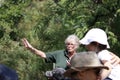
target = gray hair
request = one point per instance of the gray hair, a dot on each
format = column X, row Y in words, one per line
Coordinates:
column 73, row 38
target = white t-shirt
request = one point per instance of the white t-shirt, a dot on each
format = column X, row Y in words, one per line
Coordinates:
column 115, row 72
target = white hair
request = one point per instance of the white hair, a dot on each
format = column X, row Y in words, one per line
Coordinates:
column 73, row 38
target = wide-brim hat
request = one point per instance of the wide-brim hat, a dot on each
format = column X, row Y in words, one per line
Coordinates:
column 71, row 71
column 97, row 35
column 82, row 61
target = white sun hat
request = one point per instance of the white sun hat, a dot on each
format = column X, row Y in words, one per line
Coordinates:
column 97, row 35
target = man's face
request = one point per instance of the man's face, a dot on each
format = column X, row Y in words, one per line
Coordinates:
column 70, row 46
column 89, row 74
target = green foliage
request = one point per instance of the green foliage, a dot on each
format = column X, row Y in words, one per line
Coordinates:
column 46, row 24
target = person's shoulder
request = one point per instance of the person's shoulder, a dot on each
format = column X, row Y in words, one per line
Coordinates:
column 56, row 51
column 104, row 51
column 104, row 55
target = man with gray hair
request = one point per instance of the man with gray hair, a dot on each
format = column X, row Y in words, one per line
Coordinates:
column 61, row 58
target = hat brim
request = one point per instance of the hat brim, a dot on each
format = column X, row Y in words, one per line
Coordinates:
column 84, row 41
column 108, row 46
column 69, row 72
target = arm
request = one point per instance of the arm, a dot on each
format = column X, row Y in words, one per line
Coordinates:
column 105, row 73
column 115, row 59
column 32, row 49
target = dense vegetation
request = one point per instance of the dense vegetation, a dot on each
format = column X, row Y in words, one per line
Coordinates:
column 46, row 24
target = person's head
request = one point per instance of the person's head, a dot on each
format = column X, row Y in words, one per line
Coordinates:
column 6, row 73
column 55, row 74
column 95, row 40
column 72, row 43
column 85, row 66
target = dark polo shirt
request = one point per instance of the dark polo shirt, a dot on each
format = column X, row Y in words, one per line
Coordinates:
column 58, row 57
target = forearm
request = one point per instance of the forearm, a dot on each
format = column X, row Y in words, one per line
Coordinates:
column 32, row 49
column 38, row 52
column 105, row 73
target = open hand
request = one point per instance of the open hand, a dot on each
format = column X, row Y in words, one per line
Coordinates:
column 27, row 44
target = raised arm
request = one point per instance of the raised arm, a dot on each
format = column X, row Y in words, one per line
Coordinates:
column 32, row 49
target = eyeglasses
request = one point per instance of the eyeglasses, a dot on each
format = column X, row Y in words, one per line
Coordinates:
column 69, row 44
